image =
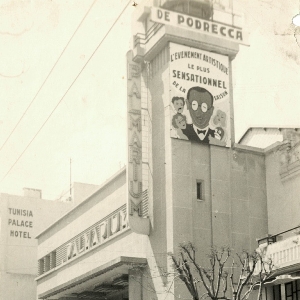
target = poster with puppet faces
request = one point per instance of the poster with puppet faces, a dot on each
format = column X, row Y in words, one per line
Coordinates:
column 199, row 96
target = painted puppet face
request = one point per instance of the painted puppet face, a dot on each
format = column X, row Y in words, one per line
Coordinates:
column 180, row 122
column 220, row 131
column 178, row 105
column 220, row 118
column 200, row 107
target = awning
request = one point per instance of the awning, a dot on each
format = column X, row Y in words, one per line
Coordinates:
column 282, row 279
column 105, row 279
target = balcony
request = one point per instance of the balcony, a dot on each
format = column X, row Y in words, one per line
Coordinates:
column 283, row 250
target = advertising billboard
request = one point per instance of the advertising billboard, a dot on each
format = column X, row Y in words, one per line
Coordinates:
column 199, row 96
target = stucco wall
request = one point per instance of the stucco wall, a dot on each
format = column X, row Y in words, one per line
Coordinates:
column 106, row 200
column 283, row 196
column 234, row 209
column 156, row 250
column 17, row 286
column 18, row 255
column 126, row 244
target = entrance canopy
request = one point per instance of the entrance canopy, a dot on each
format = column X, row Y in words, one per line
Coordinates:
column 103, row 281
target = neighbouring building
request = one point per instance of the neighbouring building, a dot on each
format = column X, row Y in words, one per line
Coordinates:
column 21, row 218
column 282, row 243
column 186, row 178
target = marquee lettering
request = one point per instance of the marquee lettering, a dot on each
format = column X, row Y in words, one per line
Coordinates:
column 135, row 140
column 135, row 208
column 115, row 223
column 134, row 91
column 134, row 172
column 135, row 154
column 133, row 71
column 135, row 123
column 135, row 189
column 87, row 238
column 69, row 250
column 75, row 249
column 81, row 244
column 103, row 231
column 123, row 220
column 162, row 16
column 96, row 235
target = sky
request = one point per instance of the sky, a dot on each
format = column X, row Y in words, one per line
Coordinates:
column 88, row 124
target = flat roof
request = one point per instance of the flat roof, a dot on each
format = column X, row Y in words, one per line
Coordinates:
column 108, row 181
column 263, row 137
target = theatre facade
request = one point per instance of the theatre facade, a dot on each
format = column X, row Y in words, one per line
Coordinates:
column 186, row 178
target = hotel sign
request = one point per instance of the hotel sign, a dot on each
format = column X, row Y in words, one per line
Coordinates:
column 223, row 31
column 20, row 221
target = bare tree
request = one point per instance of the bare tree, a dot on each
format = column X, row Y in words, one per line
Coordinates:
column 223, row 270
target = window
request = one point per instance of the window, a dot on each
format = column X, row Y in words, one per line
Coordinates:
column 200, row 190
column 292, row 290
column 46, row 263
column 52, row 259
column 276, row 292
column 40, row 266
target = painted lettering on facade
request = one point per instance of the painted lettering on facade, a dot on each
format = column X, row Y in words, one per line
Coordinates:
column 163, row 16
column 200, row 100
column 97, row 235
column 25, row 223
column 134, row 170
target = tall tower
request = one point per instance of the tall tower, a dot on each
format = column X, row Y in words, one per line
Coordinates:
column 185, row 174
column 179, row 86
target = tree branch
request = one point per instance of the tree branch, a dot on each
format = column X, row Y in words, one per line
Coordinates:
column 200, row 271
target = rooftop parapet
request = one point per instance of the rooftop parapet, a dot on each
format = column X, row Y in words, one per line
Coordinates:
column 201, row 24
column 197, row 8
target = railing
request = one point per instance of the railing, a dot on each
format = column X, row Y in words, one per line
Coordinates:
column 285, row 253
column 282, row 249
column 273, row 238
